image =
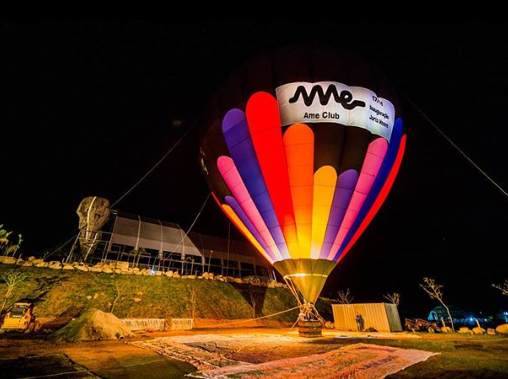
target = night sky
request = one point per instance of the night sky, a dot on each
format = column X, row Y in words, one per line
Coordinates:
column 89, row 107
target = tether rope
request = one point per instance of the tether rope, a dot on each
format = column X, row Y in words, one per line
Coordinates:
column 251, row 319
column 135, row 184
column 457, row 147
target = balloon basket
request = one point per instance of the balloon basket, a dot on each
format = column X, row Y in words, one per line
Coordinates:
column 309, row 328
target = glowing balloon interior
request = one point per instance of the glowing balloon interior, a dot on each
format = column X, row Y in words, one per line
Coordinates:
column 300, row 161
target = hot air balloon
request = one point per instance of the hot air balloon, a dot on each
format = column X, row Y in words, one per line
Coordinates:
column 300, row 149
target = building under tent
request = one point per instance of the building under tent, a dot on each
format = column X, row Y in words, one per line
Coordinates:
column 149, row 243
column 459, row 315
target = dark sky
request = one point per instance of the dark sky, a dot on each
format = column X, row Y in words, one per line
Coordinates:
column 88, row 107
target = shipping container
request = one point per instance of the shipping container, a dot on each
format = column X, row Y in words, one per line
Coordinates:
column 383, row 317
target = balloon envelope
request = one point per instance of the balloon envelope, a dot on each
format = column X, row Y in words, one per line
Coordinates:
column 300, row 149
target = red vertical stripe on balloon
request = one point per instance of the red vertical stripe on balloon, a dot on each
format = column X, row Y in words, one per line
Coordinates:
column 265, row 129
column 380, row 199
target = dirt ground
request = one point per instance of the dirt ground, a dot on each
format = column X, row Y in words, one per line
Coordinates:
column 35, row 357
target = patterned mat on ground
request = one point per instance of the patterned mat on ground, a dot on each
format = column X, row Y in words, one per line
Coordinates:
column 199, row 358
column 353, row 361
column 207, row 351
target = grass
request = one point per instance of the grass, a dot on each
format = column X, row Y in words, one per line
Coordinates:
column 459, row 356
column 58, row 292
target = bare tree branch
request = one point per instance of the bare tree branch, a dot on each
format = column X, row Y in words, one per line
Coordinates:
column 393, row 298
column 502, row 287
column 7, row 246
column 192, row 301
column 434, row 291
column 345, row 297
column 116, row 298
column 12, row 279
column 253, row 300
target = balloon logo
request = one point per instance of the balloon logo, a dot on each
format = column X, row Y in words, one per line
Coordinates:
column 300, row 150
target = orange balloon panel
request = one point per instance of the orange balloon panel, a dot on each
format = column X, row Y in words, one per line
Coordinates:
column 299, row 147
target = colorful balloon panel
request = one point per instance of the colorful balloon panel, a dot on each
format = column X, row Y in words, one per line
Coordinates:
column 300, row 150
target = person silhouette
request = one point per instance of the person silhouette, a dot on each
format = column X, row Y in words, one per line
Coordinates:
column 359, row 322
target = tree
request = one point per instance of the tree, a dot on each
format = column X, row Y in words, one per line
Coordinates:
column 434, row 291
column 345, row 297
column 253, row 301
column 4, row 236
column 116, row 298
column 502, row 287
column 393, row 298
column 7, row 246
column 192, row 298
column 12, row 279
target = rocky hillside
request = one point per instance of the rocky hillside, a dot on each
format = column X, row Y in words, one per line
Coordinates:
column 71, row 290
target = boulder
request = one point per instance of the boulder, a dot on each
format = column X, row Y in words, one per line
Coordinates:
column 8, row 260
column 93, row 325
column 55, row 265
column 253, row 281
column 479, row 330
column 502, row 329
column 82, row 268
column 465, row 330
column 122, row 265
